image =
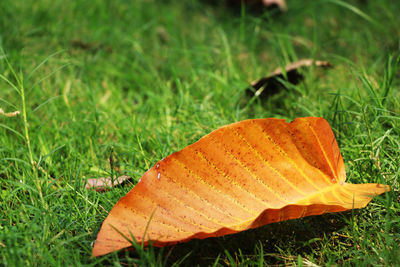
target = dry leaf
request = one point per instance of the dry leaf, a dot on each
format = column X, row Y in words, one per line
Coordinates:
column 305, row 62
column 9, row 114
column 163, row 35
column 280, row 3
column 105, row 183
column 240, row 176
column 270, row 84
column 90, row 46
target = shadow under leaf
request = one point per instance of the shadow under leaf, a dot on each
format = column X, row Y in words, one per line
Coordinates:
column 298, row 237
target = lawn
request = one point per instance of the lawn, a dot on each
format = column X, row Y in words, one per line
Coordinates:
column 134, row 81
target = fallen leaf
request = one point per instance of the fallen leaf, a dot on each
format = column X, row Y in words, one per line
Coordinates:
column 163, row 35
column 90, row 46
column 9, row 114
column 240, row 176
column 281, row 4
column 105, row 183
column 271, row 83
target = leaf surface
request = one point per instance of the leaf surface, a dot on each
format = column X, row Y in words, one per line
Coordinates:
column 240, row 176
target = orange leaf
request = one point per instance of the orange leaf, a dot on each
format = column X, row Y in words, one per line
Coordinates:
column 240, row 176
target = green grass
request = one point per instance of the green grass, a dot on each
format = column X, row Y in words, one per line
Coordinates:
column 138, row 80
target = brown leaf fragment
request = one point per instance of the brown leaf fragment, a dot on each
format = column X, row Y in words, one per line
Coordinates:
column 94, row 47
column 272, row 84
column 104, row 183
column 163, row 35
column 280, row 3
column 9, row 114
